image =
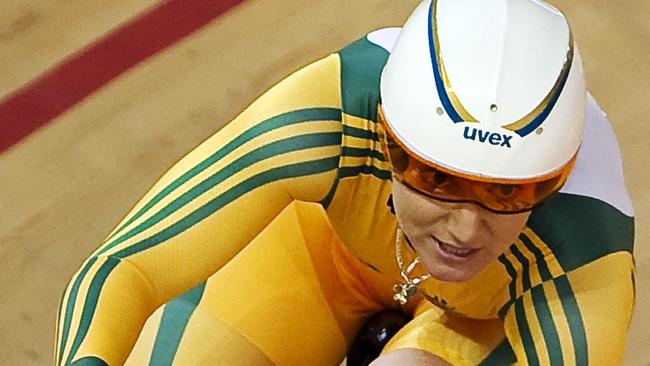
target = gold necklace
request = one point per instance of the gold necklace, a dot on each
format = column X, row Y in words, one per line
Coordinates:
column 409, row 287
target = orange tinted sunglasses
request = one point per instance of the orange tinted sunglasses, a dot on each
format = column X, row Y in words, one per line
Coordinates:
column 431, row 181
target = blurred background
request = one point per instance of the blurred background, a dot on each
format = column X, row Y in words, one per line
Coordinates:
column 122, row 89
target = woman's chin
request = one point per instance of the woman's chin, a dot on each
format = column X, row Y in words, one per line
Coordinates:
column 447, row 273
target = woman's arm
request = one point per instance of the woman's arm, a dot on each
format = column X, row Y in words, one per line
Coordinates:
column 202, row 212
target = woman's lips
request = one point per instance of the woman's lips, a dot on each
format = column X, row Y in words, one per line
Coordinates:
column 453, row 252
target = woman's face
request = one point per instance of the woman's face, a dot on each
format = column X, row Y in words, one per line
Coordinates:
column 455, row 241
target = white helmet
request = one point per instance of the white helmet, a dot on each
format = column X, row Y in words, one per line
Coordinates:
column 491, row 90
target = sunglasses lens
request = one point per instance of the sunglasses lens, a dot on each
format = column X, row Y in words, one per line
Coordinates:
column 432, row 182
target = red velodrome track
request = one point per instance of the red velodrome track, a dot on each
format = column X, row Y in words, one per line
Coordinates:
column 59, row 89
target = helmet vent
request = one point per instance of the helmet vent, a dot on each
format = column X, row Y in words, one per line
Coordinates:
column 539, row 131
column 440, row 111
column 494, row 108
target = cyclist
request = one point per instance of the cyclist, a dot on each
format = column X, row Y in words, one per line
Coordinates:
column 455, row 170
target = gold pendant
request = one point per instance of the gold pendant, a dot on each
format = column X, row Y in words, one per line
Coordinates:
column 404, row 291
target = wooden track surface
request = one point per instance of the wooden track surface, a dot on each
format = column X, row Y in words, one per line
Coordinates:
column 65, row 187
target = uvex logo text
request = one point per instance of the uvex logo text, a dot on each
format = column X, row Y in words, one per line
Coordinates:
column 493, row 138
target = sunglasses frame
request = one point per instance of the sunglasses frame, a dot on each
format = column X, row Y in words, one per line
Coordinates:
column 386, row 133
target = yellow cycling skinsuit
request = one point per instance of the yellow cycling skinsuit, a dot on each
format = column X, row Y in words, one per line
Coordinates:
column 273, row 241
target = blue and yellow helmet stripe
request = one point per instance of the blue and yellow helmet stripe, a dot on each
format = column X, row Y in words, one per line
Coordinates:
column 455, row 109
column 537, row 116
column 449, row 99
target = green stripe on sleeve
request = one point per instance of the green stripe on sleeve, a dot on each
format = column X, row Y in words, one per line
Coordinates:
column 282, row 120
column 57, row 330
column 276, row 148
column 72, row 298
column 90, row 305
column 360, row 133
column 512, row 287
column 364, row 169
column 285, row 172
column 547, row 324
column 525, row 265
column 174, row 320
column 573, row 316
column 358, row 153
column 330, row 195
column 542, row 310
column 542, row 266
column 524, row 332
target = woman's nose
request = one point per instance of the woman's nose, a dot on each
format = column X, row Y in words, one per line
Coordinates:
column 467, row 222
